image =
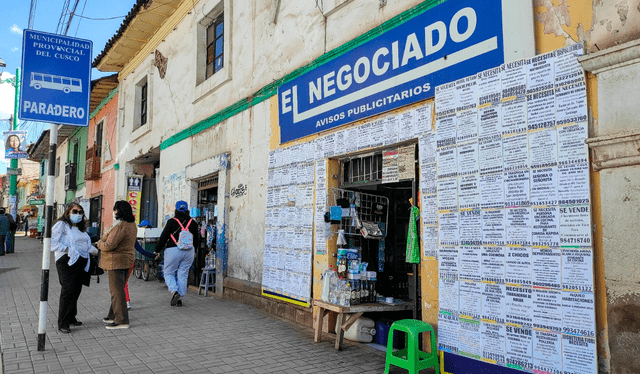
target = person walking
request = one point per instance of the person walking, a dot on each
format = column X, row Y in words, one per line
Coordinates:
column 26, row 225
column 4, row 230
column 117, row 246
column 9, row 238
column 72, row 246
column 179, row 239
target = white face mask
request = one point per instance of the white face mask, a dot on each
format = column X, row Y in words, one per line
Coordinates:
column 114, row 216
column 75, row 218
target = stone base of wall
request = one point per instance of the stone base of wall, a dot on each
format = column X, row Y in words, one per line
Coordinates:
column 251, row 294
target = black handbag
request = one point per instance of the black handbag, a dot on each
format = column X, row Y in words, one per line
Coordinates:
column 94, row 265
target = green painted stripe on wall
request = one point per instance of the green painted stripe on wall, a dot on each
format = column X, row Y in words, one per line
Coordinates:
column 271, row 89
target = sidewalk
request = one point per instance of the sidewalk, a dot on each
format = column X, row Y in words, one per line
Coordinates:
column 206, row 335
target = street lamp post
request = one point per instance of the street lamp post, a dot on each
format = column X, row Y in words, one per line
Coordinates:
column 13, row 179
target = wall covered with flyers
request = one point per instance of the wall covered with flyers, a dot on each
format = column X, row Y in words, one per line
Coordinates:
column 513, row 210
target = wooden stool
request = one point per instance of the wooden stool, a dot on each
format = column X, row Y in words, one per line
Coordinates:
column 207, row 280
column 411, row 357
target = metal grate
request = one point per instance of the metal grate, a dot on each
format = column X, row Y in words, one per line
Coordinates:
column 363, row 169
column 208, row 182
column 370, row 208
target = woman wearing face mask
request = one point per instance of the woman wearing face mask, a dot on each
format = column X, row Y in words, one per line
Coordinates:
column 118, row 247
column 72, row 246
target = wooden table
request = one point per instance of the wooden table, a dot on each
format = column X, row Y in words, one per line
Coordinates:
column 322, row 308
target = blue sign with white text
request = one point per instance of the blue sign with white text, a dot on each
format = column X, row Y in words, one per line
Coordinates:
column 453, row 40
column 56, row 78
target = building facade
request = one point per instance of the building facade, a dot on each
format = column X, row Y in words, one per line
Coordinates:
column 236, row 107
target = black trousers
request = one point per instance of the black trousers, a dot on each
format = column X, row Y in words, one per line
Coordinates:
column 2, row 241
column 71, row 279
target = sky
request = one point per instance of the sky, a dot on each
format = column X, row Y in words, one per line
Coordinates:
column 92, row 20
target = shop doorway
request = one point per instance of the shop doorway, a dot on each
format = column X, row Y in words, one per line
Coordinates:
column 206, row 215
column 362, row 181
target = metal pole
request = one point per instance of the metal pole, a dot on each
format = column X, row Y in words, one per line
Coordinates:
column 13, row 179
column 46, row 246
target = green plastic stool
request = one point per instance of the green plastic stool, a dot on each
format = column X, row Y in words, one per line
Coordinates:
column 411, row 357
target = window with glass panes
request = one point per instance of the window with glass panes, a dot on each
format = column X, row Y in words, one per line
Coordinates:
column 215, row 46
column 143, row 105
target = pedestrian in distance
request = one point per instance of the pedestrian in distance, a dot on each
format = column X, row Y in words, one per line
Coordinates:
column 72, row 246
column 10, row 238
column 179, row 239
column 4, row 230
column 26, row 225
column 117, row 246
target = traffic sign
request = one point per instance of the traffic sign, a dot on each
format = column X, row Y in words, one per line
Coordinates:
column 16, row 171
column 36, row 202
column 56, row 78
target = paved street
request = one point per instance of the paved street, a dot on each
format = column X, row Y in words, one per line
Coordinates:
column 207, row 335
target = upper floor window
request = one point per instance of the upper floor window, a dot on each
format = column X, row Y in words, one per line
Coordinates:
column 99, row 131
column 215, row 46
column 143, row 104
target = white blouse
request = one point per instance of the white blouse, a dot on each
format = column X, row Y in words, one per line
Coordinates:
column 64, row 236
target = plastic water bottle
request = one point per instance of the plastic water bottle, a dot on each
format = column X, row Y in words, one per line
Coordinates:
column 345, row 293
column 334, row 291
column 326, row 284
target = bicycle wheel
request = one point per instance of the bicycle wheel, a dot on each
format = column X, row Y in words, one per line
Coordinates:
column 145, row 271
column 137, row 269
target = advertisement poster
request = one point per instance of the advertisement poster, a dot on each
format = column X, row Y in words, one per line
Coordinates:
column 447, row 194
column 515, row 152
column 448, row 260
column 578, row 314
column 447, row 162
column 571, row 103
column 15, row 144
column 540, row 75
column 516, row 188
column 134, row 194
column 448, row 228
column 573, row 185
column 541, row 110
column 427, row 147
column 544, row 186
column 422, row 118
column 469, row 192
column 466, row 93
column 514, row 80
column 470, row 227
column 519, row 348
column 448, row 295
column 575, row 225
column 493, row 340
column 490, row 123
column 547, row 352
column 391, row 128
column 518, row 226
column 547, row 310
column 446, row 130
column 469, row 345
column 470, row 300
column 467, row 158
column 493, row 227
column 514, row 116
column 518, row 266
column 430, row 242
column 470, row 263
column 428, row 178
column 493, row 262
column 577, row 269
column 489, row 86
column 578, row 355
column 519, row 306
column 490, row 156
column 467, row 122
column 546, row 268
column 545, row 232
column 571, row 146
column 493, row 302
column 543, row 148
column 492, row 191
column 448, row 330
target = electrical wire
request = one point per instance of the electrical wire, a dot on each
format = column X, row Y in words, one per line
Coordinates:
column 32, row 13
column 80, row 16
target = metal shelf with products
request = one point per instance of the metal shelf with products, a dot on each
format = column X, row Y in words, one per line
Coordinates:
column 361, row 214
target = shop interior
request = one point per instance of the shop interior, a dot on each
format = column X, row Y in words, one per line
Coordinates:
column 206, row 215
column 388, row 205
